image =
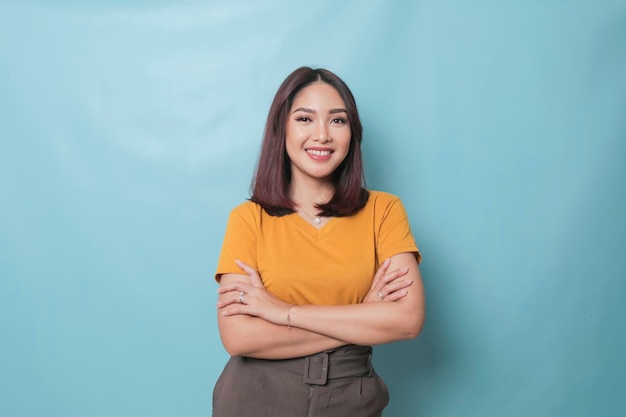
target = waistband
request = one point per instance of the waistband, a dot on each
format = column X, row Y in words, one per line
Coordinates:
column 343, row 362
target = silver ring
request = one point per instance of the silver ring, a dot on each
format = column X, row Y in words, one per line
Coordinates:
column 380, row 294
column 241, row 294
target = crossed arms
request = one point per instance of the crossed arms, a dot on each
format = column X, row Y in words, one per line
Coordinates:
column 266, row 327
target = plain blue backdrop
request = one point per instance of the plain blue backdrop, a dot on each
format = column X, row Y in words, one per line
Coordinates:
column 129, row 129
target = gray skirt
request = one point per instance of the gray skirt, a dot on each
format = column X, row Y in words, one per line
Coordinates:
column 337, row 383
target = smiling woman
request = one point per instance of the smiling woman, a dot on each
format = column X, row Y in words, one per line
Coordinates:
column 315, row 268
column 318, row 135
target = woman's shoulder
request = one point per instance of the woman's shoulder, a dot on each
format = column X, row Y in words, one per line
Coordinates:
column 246, row 215
column 247, row 209
column 381, row 198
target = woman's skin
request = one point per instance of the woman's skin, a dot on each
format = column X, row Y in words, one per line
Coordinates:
column 263, row 326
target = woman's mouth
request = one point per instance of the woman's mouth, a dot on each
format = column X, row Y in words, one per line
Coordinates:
column 319, row 154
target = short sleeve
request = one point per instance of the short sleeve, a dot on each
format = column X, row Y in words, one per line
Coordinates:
column 394, row 232
column 239, row 240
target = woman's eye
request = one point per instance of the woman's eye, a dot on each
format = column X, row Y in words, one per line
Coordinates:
column 339, row 121
column 303, row 119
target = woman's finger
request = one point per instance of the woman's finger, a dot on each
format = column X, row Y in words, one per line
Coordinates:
column 231, row 297
column 391, row 290
column 380, row 273
column 393, row 275
column 382, row 288
column 255, row 279
column 387, row 286
column 397, row 285
column 234, row 309
column 374, row 295
column 235, row 286
column 396, row 295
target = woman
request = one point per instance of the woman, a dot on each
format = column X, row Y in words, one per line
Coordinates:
column 314, row 269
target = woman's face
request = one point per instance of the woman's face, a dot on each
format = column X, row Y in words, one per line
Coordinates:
column 318, row 133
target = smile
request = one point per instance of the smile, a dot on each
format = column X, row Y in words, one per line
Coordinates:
column 317, row 152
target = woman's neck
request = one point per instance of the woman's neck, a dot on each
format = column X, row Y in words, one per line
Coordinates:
column 308, row 194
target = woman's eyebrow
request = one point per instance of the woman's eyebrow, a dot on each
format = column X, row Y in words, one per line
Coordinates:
column 340, row 110
column 332, row 111
column 304, row 109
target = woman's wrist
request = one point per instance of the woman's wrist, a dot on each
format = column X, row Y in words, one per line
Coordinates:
column 289, row 310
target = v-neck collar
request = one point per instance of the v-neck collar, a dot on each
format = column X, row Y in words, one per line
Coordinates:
column 304, row 225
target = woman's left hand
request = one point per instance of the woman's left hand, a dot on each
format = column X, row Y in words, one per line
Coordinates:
column 252, row 299
column 386, row 285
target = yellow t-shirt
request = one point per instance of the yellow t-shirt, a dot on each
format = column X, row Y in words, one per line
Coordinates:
column 303, row 265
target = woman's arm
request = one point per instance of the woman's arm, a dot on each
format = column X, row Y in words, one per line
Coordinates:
column 372, row 323
column 247, row 335
column 361, row 324
column 251, row 336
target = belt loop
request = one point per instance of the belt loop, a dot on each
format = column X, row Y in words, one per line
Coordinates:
column 321, row 370
column 369, row 365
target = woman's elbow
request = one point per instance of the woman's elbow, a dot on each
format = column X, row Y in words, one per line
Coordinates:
column 233, row 345
column 231, row 348
column 415, row 330
column 413, row 327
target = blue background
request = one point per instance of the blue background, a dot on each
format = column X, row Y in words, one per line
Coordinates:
column 129, row 129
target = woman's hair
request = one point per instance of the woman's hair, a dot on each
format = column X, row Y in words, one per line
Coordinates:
column 270, row 186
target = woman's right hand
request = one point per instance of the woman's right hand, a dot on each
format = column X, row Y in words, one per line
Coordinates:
column 386, row 285
column 252, row 299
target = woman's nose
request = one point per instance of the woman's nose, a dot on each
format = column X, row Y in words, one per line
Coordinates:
column 321, row 133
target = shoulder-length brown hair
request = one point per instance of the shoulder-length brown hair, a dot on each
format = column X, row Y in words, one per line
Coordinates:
column 270, row 186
